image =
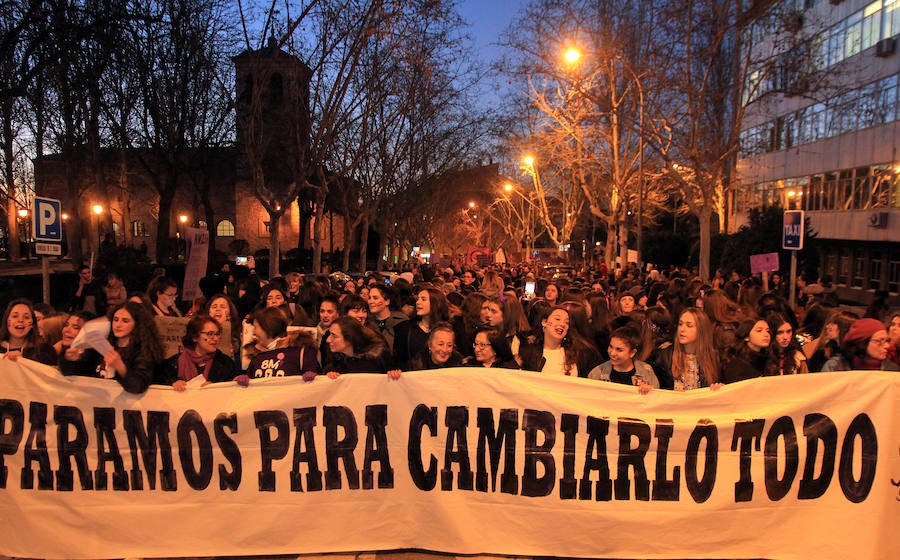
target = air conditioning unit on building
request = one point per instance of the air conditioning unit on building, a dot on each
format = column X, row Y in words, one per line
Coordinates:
column 878, row 219
column 885, row 47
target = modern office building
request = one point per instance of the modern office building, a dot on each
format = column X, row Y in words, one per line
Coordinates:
column 820, row 132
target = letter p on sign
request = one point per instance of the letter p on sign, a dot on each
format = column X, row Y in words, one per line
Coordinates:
column 47, row 219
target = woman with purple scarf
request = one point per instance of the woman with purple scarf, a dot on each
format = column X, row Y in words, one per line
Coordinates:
column 201, row 357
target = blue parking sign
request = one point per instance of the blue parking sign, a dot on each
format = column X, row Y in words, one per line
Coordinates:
column 792, row 237
column 47, row 219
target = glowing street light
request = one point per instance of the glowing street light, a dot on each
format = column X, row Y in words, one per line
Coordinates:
column 572, row 55
column 23, row 213
column 97, row 209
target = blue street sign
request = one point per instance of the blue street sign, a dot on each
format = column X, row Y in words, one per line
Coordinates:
column 47, row 219
column 792, row 237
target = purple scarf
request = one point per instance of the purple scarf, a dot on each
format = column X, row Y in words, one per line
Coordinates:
column 188, row 362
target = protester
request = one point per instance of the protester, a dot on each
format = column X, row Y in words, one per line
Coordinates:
column 88, row 295
column 114, row 290
column 276, row 354
column 622, row 367
column 441, row 350
column 135, row 354
column 354, row 306
column 893, row 328
column 70, row 330
column 492, row 349
column 750, row 355
column 19, row 336
column 412, row 339
column 382, row 317
column 864, row 347
column 200, row 357
column 692, row 361
column 355, row 349
column 556, row 349
column 785, row 347
column 162, row 293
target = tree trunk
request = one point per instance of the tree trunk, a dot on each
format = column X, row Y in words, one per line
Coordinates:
column 9, row 177
column 363, row 243
column 348, row 232
column 166, row 195
column 318, row 231
column 705, row 219
column 274, row 244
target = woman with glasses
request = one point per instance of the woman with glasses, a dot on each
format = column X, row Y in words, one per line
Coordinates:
column 492, row 350
column 19, row 337
column 864, row 347
column 163, row 292
column 201, row 356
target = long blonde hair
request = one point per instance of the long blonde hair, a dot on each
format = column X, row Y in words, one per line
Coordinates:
column 704, row 348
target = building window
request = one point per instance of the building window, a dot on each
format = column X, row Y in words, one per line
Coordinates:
column 875, row 271
column 894, row 272
column 138, row 229
column 843, row 266
column 276, row 89
column 859, row 267
column 225, row 229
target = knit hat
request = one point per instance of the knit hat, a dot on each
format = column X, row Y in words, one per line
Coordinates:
column 863, row 329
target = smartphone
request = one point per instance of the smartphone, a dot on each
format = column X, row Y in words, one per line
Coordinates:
column 529, row 290
column 243, row 261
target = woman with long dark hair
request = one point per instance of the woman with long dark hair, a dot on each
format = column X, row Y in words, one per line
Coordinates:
column 19, row 334
column 135, row 354
column 750, row 356
column 784, row 346
column 557, row 349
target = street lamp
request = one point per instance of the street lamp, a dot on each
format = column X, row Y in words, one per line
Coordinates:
column 23, row 216
column 98, row 209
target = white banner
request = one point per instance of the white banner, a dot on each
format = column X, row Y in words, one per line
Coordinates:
column 465, row 461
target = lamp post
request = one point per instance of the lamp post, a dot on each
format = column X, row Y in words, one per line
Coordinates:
column 98, row 209
column 23, row 217
column 182, row 243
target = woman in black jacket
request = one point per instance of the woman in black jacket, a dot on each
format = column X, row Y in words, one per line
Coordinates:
column 555, row 348
column 200, row 357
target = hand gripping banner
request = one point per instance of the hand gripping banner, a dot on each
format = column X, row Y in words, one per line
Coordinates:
column 463, row 461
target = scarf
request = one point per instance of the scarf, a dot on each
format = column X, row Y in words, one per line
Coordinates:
column 189, row 361
column 867, row 363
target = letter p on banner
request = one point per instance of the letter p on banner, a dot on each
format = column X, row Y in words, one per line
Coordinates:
column 47, row 219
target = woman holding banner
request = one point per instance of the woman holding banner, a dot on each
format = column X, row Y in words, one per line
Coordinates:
column 692, row 361
column 19, row 337
column 274, row 353
column 355, row 349
column 134, row 355
column 864, row 347
column 201, row 357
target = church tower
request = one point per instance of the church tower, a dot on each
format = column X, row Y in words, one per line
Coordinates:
column 272, row 110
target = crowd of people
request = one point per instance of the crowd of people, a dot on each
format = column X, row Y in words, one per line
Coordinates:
column 649, row 329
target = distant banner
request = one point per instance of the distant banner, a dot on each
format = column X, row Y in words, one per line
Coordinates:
column 197, row 256
column 463, row 461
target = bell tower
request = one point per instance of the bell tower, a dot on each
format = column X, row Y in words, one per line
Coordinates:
column 272, row 111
